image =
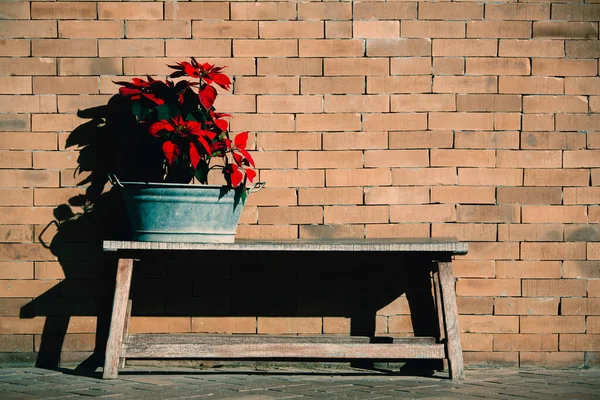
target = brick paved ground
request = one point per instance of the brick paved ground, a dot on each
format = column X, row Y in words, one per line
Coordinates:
column 294, row 383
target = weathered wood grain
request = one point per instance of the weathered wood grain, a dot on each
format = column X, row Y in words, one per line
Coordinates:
column 119, row 314
column 284, row 350
column 448, row 245
column 455, row 358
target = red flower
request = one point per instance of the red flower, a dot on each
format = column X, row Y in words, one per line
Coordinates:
column 139, row 87
column 191, row 130
column 206, row 72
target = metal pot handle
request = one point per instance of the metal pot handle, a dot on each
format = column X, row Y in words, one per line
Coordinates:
column 114, row 180
column 257, row 186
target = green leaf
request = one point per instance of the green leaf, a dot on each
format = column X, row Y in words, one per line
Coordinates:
column 201, row 172
column 139, row 111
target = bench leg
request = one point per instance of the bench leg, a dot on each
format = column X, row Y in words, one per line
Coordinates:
column 119, row 316
column 125, row 331
column 455, row 358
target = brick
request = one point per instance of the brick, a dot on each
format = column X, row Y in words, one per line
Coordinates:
column 529, row 195
column 358, row 177
column 420, row 139
column 593, row 288
column 161, row 29
column 486, row 140
column 331, row 232
column 507, row 121
column 593, row 251
column 157, row 66
column 284, row 66
column 398, row 84
column 537, row 122
column 465, row 84
column 89, row 66
column 26, row 215
column 594, row 213
column 331, row 48
column 575, row 12
column 54, row 196
column 411, row 66
column 393, row 121
column 464, row 47
column 28, row 104
column 517, row 12
column 586, row 195
column 291, row 29
column 552, row 324
column 24, row 178
column 262, row 11
column 533, row 85
column 552, row 251
column 336, row 325
column 527, row 342
column 24, row 288
column 498, row 66
column 581, row 269
column 463, row 194
column 330, row 159
column 266, row 85
column 476, row 341
column 265, row 48
column 565, row 30
column 73, row 103
column 488, row 102
column 554, row 214
column 79, row 29
column 477, row 359
column 353, row 103
column 553, row 288
column 258, row 122
column 63, row 10
column 28, row 66
column 490, row 176
column 399, row 324
column 557, row 177
column 182, row 47
column 465, row 232
column 267, row 232
column 130, row 11
column 461, row 121
column 355, row 66
column 488, row 213
column 553, row 140
column 396, row 230
column 289, row 104
column 398, row 47
column 355, row 214
column 526, row 306
column 432, row 29
column 424, row 176
column 65, row 85
column 15, row 159
column 15, row 10
column 16, row 343
column 285, row 141
column 475, row 269
column 531, row 48
column 28, row 29
column 15, row 122
column 551, row 359
column 593, row 324
column 499, row 29
column 376, row 29
column 528, row 159
column 488, row 324
column 396, row 195
column 54, row 122
column 16, row 197
column 290, row 215
column 338, row 29
column 276, row 159
column 16, row 325
column 355, row 140
column 324, row 11
column 528, row 269
column 593, row 138
column 466, row 158
column 396, row 158
column 577, row 122
column 423, row 102
column 384, row 11
column 328, row 122
column 574, row 342
column 581, row 158
column 64, row 47
column 582, row 86
column 217, row 29
column 582, row 233
column 15, row 234
column 582, row 48
column 574, row 306
column 492, row 250
column 450, row 11
column 28, row 141
column 15, row 47
column 329, row 85
column 422, row 213
column 557, row 67
column 140, row 324
column 448, row 66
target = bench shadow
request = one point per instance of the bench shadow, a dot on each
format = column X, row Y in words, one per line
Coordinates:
column 264, row 284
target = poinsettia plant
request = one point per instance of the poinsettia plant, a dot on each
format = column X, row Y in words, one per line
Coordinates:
column 180, row 117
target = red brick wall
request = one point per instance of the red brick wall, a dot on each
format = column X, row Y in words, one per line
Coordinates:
column 477, row 120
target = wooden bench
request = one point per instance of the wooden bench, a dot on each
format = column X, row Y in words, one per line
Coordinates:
column 122, row 345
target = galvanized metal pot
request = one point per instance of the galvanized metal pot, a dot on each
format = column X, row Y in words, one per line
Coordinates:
column 186, row 213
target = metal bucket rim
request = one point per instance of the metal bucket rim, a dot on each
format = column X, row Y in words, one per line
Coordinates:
column 175, row 185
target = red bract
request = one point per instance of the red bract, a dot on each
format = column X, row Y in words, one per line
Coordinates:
column 181, row 119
